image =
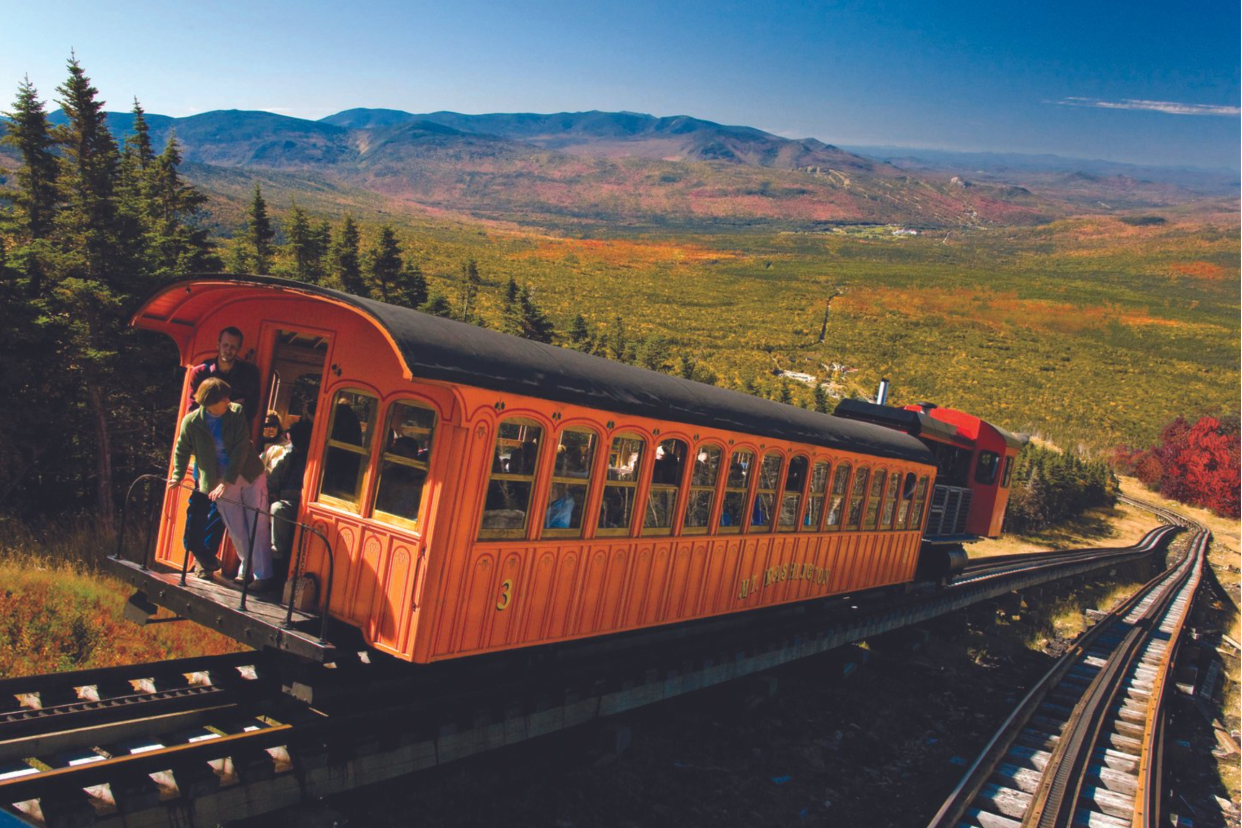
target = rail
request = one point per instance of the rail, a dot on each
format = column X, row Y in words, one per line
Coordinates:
column 185, row 562
column 1109, row 659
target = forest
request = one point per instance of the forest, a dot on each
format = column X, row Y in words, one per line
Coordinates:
column 1076, row 330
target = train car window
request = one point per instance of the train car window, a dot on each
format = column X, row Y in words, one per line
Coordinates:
column 1008, row 472
column 920, row 498
column 836, row 505
column 666, row 476
column 349, row 448
column 571, row 478
column 890, row 501
column 858, row 498
column 873, row 502
column 515, row 461
column 907, row 498
column 702, row 489
column 765, row 493
column 815, row 501
column 404, row 463
column 791, row 500
column 621, row 486
column 733, row 509
column 989, row 464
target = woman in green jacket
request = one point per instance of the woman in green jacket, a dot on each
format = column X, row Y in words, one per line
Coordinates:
column 230, row 473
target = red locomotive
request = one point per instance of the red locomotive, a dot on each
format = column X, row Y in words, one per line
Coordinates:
column 491, row 493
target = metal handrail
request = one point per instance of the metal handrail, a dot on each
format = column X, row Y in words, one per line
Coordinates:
column 185, row 563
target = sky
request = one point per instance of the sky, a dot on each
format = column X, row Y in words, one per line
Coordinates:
column 1140, row 81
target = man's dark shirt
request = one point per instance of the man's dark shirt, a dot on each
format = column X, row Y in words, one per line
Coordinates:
column 243, row 379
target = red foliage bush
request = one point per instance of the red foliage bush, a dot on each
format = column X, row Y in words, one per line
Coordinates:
column 1194, row 463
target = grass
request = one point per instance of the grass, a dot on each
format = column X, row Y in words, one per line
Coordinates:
column 58, row 612
column 1121, row 525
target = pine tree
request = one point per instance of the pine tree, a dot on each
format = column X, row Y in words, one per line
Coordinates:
column 619, row 347
column 534, row 322
column 580, row 338
column 259, row 233
column 653, row 352
column 92, row 286
column 784, row 394
column 471, row 281
column 511, row 312
column 414, row 285
column 385, row 265
column 301, row 245
column 346, row 264
column 36, row 197
column 437, row 304
column 177, row 245
column 821, row 399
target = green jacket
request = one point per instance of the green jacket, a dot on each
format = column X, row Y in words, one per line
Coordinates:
column 195, row 439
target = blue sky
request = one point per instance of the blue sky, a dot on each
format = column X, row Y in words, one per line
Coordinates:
column 1137, row 81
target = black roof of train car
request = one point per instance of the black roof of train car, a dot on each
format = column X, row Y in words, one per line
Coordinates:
column 443, row 349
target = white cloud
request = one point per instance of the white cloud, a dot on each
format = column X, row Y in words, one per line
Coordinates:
column 1167, row 107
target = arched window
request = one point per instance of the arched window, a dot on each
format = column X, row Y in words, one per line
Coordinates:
column 815, row 501
column 515, row 460
column 404, row 462
column 791, row 500
column 873, row 501
column 765, row 493
column 702, row 489
column 920, row 499
column 625, row 459
column 733, row 509
column 666, row 475
column 858, row 498
column 349, row 448
column 571, row 479
column 907, row 499
column 836, row 504
column 890, row 501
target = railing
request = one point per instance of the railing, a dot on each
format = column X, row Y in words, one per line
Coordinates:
column 950, row 507
column 185, row 563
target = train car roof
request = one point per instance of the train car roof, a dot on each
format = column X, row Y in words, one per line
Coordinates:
column 434, row 348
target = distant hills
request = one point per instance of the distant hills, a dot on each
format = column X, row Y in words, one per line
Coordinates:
column 623, row 168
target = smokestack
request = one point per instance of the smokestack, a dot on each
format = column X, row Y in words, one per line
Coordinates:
column 881, row 394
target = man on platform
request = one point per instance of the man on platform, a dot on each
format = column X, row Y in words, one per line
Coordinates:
column 204, row 527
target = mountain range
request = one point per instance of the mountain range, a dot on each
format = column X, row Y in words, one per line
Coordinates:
column 616, row 168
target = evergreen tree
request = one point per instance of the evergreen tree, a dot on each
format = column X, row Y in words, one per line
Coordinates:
column 36, row 197
column 471, row 281
column 259, row 233
column 534, row 322
column 653, row 352
column 414, row 284
column 302, row 245
column 96, row 276
column 784, row 394
column 511, row 312
column 346, row 264
column 176, row 243
column 437, row 304
column 619, row 347
column 821, row 399
column 386, row 266
column 580, row 338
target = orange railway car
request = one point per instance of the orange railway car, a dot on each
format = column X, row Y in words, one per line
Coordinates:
column 476, row 492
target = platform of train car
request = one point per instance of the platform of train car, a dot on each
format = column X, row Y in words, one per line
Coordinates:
column 216, row 603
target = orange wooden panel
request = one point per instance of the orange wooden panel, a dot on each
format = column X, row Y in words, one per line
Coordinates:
column 640, row 585
column 567, row 572
column 616, row 578
column 480, row 601
column 657, row 583
column 509, row 589
column 394, row 608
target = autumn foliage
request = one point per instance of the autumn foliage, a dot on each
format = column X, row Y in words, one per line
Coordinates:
column 1196, row 463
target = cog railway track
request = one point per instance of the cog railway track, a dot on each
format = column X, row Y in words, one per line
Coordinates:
column 222, row 738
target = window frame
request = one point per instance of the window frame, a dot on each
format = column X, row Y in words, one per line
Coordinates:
column 995, row 468
column 744, row 524
column 646, row 531
column 717, row 497
column 366, row 452
column 588, row 482
column 483, row 535
column 637, row 484
column 888, row 506
column 838, row 467
column 918, row 507
column 810, row 494
column 856, row 474
column 1007, row 477
column 806, row 481
column 388, row 518
column 878, row 474
column 905, row 502
column 753, row 500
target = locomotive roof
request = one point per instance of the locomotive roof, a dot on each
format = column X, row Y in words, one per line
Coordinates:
column 435, row 348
